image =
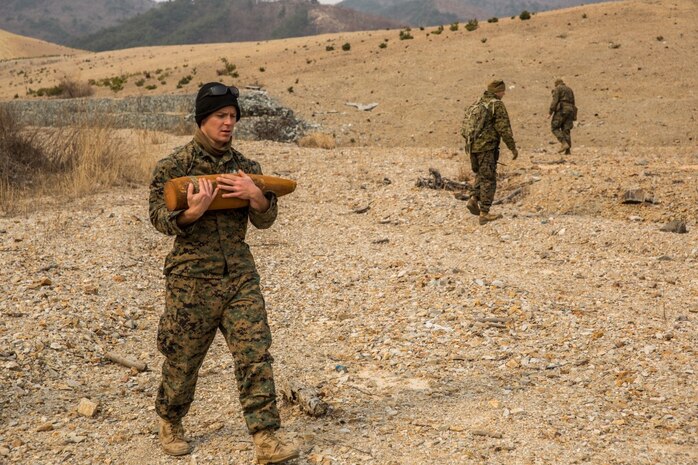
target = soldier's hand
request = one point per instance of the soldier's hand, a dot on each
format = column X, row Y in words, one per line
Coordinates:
column 241, row 186
column 199, row 202
column 514, row 154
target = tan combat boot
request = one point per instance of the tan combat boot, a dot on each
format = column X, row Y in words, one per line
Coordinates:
column 472, row 206
column 486, row 217
column 172, row 438
column 271, row 449
column 565, row 147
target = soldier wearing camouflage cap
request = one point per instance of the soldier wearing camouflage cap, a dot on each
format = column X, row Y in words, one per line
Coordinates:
column 562, row 114
column 484, row 149
column 212, row 282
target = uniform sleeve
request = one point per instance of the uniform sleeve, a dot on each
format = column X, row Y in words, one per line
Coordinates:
column 503, row 126
column 556, row 100
column 164, row 220
column 263, row 220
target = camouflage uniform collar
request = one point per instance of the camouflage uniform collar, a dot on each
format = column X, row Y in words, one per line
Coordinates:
column 490, row 95
column 224, row 158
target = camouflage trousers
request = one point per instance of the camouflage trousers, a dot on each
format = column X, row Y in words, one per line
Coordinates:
column 195, row 309
column 484, row 165
column 561, row 125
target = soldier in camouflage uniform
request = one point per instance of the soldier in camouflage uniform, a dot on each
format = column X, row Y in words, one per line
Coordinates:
column 563, row 113
column 212, row 281
column 485, row 152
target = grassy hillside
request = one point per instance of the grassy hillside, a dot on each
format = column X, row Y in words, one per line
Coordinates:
column 631, row 65
column 13, row 46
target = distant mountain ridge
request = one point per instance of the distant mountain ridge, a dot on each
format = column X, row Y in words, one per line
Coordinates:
column 63, row 21
column 436, row 12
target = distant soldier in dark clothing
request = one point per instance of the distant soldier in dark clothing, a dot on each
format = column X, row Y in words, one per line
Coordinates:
column 484, row 149
column 212, row 281
column 563, row 113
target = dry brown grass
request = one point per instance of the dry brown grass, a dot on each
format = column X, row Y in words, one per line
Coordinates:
column 63, row 163
column 73, row 88
column 318, row 140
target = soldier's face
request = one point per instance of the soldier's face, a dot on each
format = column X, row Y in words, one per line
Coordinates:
column 218, row 126
column 500, row 95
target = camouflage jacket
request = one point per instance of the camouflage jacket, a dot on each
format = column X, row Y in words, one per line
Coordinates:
column 496, row 128
column 214, row 244
column 563, row 98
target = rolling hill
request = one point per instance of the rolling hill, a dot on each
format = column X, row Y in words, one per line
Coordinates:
column 207, row 21
column 62, row 21
column 13, row 46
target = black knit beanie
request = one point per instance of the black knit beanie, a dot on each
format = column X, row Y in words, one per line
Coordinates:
column 206, row 103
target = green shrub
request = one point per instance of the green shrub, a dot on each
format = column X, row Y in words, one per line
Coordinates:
column 472, row 25
column 382, row 45
column 151, row 87
column 329, row 48
column 290, row 90
column 438, row 30
column 346, row 47
column 140, row 82
column 115, row 83
column 453, row 26
column 494, row 19
column 184, row 81
column 524, row 15
column 262, row 69
column 229, row 69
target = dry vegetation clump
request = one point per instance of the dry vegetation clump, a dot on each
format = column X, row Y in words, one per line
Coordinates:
column 22, row 157
column 71, row 88
column 62, row 162
column 318, row 140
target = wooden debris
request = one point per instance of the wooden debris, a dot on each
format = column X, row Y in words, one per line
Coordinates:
column 515, row 192
column 127, row 362
column 489, row 434
column 307, row 398
column 439, row 182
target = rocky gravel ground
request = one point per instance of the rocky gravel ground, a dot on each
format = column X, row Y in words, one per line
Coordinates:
column 564, row 333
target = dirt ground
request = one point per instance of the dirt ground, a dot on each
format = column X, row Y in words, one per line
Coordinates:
column 564, row 333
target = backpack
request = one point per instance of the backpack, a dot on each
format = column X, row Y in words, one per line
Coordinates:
column 474, row 120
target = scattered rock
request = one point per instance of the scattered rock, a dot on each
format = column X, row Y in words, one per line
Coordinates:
column 87, row 408
column 636, row 196
column 675, row 226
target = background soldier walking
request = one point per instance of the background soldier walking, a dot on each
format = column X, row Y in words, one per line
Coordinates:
column 485, row 124
column 563, row 113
